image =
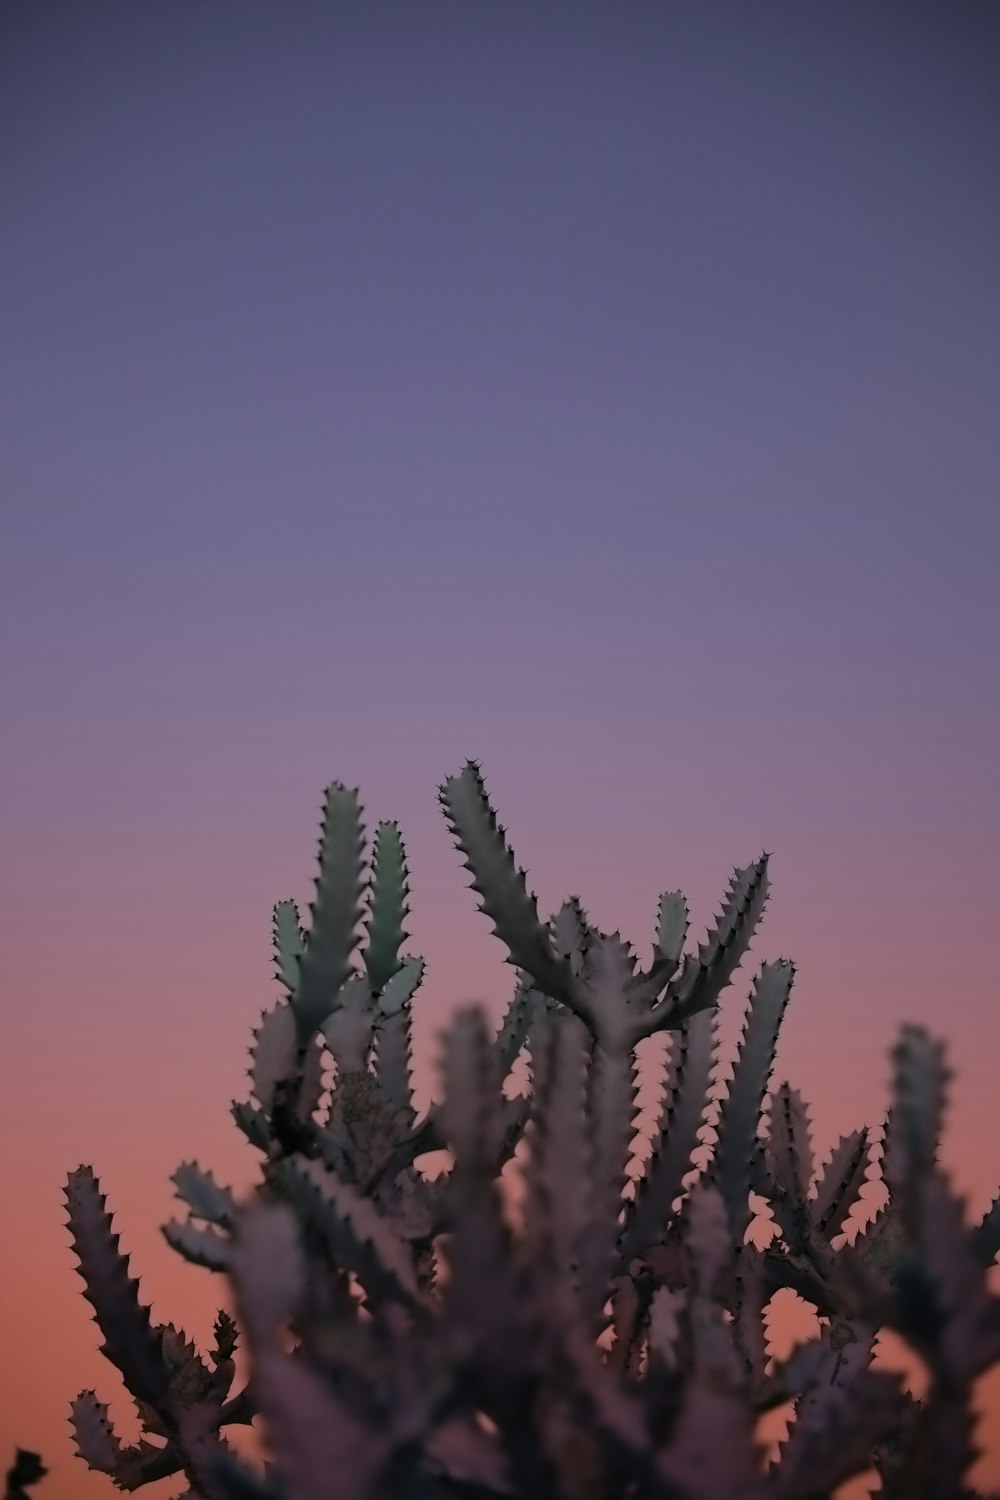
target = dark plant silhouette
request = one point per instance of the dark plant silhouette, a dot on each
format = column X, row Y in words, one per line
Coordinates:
column 26, row 1469
column 408, row 1338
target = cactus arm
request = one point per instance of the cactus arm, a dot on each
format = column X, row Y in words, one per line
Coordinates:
column 913, row 1126
column 143, row 1463
column 671, row 927
column 321, row 1450
column 239, row 1410
column 702, row 979
column 942, row 1306
column 203, row 1195
column 306, row 1082
column 516, row 1023
column 557, row 1174
column 788, row 1149
column 838, row 1184
column 751, row 1296
column 96, row 1441
column 272, row 1053
column 846, row 1410
column 682, row 1118
column 202, row 1247
column 943, row 1309
column 359, row 1237
column 269, row 1269
column 471, row 1114
column 253, row 1123
column 711, row 1450
column 159, row 1367
column 280, row 1067
column 325, row 964
column 130, row 1342
column 397, row 992
column 611, row 1111
column 499, row 1330
column 741, row 1108
column 393, row 1059
column 502, row 886
column 225, row 1333
column 932, row 1287
column 744, row 903
column 515, row 1114
column 570, row 933
column 668, row 945
column 286, row 1077
column 97, row 1444
column 385, row 933
column 391, row 1035
column 288, row 942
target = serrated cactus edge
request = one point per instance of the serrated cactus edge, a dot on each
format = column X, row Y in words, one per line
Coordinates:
column 409, row 1337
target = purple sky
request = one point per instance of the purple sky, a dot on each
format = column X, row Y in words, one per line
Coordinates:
column 622, row 345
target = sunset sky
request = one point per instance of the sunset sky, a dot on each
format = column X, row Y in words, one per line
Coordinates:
column 608, row 392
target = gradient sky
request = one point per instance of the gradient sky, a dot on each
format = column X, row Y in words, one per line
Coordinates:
column 607, row 392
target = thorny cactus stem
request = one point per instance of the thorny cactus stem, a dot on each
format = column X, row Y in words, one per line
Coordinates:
column 406, row 1340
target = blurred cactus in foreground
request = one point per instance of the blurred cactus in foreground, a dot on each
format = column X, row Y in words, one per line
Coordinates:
column 26, row 1469
column 416, row 1338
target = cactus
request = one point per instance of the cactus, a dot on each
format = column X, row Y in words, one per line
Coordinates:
column 26, row 1469
column 414, row 1338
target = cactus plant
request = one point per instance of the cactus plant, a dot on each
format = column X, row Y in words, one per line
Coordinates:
column 26, row 1469
column 410, row 1337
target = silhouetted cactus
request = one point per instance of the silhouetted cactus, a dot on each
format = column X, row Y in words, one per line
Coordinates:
column 408, row 1339
column 26, row 1469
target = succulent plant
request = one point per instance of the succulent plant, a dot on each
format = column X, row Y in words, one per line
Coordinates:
column 419, row 1338
column 27, row 1469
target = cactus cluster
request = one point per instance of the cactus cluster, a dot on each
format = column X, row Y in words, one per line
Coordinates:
column 603, row 1338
